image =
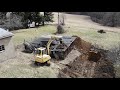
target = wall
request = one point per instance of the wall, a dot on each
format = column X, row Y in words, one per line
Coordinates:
column 9, row 49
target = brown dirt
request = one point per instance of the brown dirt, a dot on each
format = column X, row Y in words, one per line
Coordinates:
column 104, row 69
column 82, row 45
column 90, row 64
column 94, row 56
column 78, row 68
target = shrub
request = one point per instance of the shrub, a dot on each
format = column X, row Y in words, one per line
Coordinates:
column 60, row 29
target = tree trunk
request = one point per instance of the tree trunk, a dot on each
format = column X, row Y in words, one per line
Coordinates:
column 58, row 18
column 43, row 23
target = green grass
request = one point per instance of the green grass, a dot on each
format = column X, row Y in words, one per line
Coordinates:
column 106, row 41
column 29, row 34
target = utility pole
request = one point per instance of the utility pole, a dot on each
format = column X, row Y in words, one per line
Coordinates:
column 43, row 18
column 58, row 18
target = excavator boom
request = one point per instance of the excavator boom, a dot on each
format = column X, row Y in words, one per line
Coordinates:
column 48, row 46
column 49, row 43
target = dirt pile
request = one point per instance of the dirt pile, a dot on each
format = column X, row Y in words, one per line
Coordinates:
column 82, row 45
column 92, row 63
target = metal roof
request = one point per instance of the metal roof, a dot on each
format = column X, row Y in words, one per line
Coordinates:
column 5, row 34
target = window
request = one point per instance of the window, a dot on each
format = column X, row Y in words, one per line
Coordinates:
column 2, row 48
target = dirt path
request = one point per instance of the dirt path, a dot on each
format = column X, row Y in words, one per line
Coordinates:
column 83, row 21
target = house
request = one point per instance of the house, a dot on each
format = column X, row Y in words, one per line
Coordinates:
column 7, row 49
column 31, row 25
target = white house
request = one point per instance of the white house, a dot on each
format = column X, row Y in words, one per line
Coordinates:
column 31, row 25
column 7, row 49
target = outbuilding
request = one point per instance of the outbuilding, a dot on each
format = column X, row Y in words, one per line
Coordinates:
column 7, row 49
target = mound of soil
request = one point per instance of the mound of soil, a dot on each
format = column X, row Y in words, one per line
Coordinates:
column 82, row 45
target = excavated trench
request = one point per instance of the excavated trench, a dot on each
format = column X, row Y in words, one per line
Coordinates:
column 92, row 63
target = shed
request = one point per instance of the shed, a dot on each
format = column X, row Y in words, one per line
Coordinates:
column 7, row 49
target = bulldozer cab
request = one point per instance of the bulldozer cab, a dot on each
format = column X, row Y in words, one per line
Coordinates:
column 40, row 51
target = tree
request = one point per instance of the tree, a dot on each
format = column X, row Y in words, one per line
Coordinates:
column 25, row 17
column 62, row 19
column 30, row 16
column 42, row 14
column 37, row 17
column 109, row 19
column 48, row 16
column 60, row 28
column 2, row 15
column 21, row 19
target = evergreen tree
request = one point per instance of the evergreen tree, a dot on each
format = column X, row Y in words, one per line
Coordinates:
column 2, row 15
column 35, row 17
column 48, row 16
column 25, row 18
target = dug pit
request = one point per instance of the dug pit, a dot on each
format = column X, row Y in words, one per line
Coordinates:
column 92, row 63
column 94, row 56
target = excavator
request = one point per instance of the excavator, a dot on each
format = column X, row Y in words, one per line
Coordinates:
column 42, row 54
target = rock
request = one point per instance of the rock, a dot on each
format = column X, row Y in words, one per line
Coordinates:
column 101, row 31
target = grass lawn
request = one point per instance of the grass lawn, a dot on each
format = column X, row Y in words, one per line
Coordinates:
column 31, row 33
column 106, row 41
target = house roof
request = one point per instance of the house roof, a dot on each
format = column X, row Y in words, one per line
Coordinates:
column 5, row 34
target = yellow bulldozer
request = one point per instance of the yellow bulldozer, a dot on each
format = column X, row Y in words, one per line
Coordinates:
column 42, row 55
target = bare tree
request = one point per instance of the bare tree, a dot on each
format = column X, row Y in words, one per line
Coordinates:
column 60, row 28
column 58, row 18
column 62, row 19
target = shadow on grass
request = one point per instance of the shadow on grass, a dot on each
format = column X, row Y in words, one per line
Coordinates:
column 32, row 64
column 24, row 51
